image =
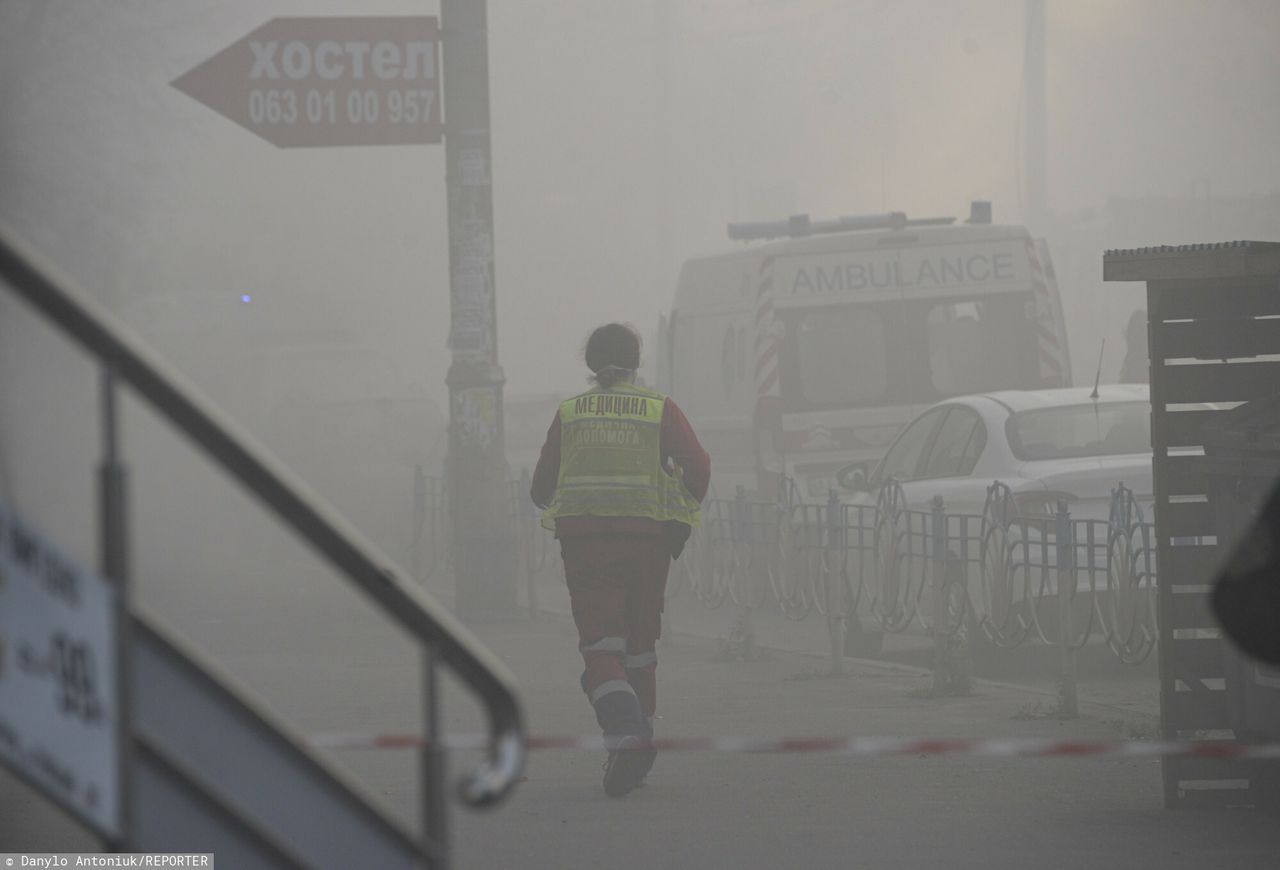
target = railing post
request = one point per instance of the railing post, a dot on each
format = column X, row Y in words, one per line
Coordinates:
column 942, row 658
column 742, row 637
column 1068, row 702
column 419, row 523
column 527, row 514
column 837, row 618
column 435, row 809
column 114, row 545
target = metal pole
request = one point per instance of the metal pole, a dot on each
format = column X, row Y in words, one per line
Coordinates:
column 526, row 527
column 435, row 808
column 741, row 541
column 419, row 524
column 114, row 555
column 1068, row 704
column 942, row 664
column 1034, row 143
column 663, row 42
column 837, row 615
column 484, row 551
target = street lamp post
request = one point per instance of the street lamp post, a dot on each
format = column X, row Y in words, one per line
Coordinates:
column 1036, row 136
column 483, row 542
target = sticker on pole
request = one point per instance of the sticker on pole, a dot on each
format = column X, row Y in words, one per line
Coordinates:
column 59, row 727
column 324, row 82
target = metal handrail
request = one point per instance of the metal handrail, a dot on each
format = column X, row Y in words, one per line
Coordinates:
column 284, row 493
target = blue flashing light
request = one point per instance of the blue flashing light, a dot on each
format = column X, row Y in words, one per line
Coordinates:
column 246, row 298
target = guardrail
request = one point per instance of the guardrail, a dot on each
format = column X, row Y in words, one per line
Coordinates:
column 999, row 577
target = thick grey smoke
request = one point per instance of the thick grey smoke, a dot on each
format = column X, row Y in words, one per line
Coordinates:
column 625, row 137
column 306, row 290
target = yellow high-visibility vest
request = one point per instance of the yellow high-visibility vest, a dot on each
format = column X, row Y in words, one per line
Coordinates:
column 611, row 460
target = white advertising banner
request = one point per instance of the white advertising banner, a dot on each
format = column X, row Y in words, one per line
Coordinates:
column 59, row 691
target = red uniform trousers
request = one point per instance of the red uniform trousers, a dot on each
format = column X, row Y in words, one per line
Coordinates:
column 616, row 586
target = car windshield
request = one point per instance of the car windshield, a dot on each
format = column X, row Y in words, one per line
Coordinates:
column 1095, row 429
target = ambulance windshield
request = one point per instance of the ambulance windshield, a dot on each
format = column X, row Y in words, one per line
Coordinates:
column 842, row 356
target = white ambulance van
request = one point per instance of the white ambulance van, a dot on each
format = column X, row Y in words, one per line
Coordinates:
column 812, row 345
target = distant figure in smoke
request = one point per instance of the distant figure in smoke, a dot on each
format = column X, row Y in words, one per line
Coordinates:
column 621, row 477
column 1136, row 368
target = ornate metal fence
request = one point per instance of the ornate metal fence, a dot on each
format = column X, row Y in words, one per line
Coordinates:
column 1002, row 577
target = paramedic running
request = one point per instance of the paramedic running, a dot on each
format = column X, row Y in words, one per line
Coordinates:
column 621, row 476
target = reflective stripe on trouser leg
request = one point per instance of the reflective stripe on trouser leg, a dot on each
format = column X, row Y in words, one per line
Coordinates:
column 640, row 660
column 608, row 688
column 605, row 644
column 602, row 660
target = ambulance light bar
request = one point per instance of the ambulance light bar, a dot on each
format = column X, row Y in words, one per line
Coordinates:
column 799, row 225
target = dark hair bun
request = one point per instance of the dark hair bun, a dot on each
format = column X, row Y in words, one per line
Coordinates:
column 614, row 344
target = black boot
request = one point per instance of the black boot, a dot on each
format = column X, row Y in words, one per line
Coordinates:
column 629, row 737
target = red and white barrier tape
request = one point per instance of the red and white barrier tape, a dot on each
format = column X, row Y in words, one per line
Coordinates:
column 1008, row 747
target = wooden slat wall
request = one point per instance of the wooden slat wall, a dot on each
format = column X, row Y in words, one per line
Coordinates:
column 1194, row 661
column 1184, row 520
column 1190, row 566
column 1219, row 382
column 1209, row 320
column 1182, row 475
column 1227, row 299
column 1190, row 610
column 1221, row 339
column 1182, row 428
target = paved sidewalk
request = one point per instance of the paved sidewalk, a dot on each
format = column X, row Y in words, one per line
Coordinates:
column 1033, row 667
column 326, row 663
column 708, row 809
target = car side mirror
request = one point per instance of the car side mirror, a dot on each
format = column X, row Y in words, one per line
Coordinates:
column 854, row 476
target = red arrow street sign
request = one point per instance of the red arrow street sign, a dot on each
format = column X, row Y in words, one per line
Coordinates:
column 319, row 82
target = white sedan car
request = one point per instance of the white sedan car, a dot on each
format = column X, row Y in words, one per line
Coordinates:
column 1044, row 444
